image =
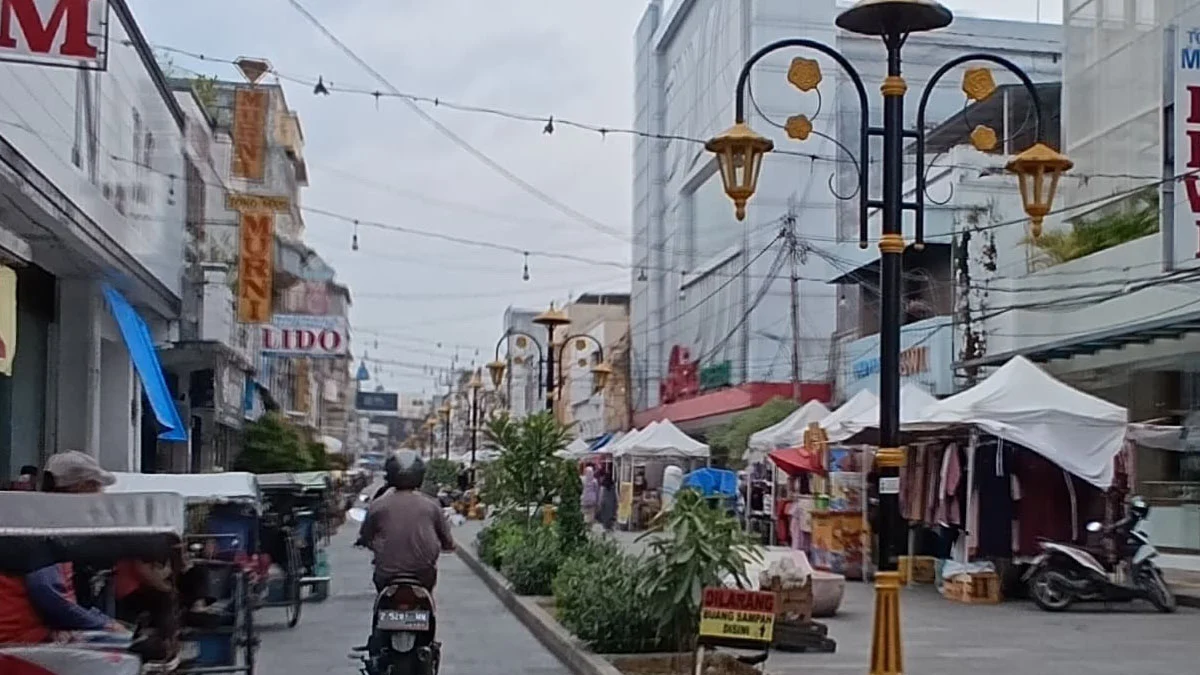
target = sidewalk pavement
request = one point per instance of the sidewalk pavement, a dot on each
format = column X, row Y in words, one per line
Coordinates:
column 942, row 637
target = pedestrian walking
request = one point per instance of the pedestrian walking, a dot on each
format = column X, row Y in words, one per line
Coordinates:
column 608, row 503
column 590, row 498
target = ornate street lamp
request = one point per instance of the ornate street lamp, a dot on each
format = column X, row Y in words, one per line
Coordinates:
column 739, row 155
column 475, row 385
column 552, row 319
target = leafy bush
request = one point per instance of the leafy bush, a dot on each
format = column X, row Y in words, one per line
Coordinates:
column 597, row 597
column 572, row 529
column 702, row 546
column 439, row 471
column 729, row 443
column 526, row 473
column 530, row 566
column 497, row 539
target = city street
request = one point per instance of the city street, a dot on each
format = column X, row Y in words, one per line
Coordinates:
column 478, row 633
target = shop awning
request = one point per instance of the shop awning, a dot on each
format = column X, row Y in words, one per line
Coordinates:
column 797, row 460
column 145, row 361
column 600, row 442
column 1131, row 333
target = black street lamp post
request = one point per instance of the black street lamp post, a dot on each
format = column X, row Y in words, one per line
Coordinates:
column 444, row 411
column 551, row 319
column 740, row 154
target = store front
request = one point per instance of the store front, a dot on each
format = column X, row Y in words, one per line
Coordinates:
column 101, row 210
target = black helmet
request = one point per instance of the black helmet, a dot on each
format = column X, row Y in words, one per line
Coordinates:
column 404, row 470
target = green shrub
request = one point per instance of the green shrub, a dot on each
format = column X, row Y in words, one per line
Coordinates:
column 530, row 566
column 597, row 597
column 497, row 539
column 572, row 529
column 702, row 546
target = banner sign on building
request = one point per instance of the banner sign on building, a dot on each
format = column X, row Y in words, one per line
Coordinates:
column 249, row 133
column 256, row 266
column 377, row 401
column 67, row 33
column 8, row 318
column 926, row 358
column 1186, row 245
column 304, row 335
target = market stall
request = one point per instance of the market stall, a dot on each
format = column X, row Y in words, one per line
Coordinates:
column 640, row 460
column 787, row 433
column 1018, row 457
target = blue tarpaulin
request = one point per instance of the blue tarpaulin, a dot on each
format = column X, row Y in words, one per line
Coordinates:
column 145, row 361
column 600, row 442
column 712, row 482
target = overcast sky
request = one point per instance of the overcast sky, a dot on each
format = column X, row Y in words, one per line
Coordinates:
column 379, row 161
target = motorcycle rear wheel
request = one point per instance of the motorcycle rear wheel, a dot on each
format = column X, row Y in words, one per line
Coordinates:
column 1049, row 589
column 1159, row 593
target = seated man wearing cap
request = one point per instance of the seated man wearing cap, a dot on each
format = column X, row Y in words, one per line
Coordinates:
column 36, row 606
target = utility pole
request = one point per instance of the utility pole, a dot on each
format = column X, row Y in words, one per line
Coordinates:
column 793, row 244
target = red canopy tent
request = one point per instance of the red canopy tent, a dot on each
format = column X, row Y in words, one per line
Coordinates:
column 797, row 460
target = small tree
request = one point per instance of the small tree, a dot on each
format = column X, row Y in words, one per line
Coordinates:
column 732, row 440
column 695, row 544
column 527, row 472
column 572, row 529
column 439, row 471
column 271, row 444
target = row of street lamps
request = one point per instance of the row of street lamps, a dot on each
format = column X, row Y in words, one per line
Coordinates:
column 740, row 151
column 552, row 319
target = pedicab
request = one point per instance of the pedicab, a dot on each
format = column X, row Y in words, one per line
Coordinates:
column 38, row 530
column 227, row 577
column 295, row 525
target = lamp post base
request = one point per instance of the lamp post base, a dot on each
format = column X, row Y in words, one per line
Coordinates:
column 887, row 656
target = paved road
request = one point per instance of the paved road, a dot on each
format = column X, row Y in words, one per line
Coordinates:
column 479, row 634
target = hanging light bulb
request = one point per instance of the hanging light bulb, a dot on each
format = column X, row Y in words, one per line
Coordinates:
column 525, row 272
column 320, row 89
column 549, row 128
column 641, row 274
column 354, row 239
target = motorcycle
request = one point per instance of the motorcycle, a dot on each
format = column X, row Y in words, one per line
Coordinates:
column 1064, row 574
column 403, row 629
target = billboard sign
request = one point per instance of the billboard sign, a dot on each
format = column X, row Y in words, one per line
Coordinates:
column 377, row 401
column 304, row 335
column 70, row 33
column 1186, row 244
column 256, row 266
column 249, row 133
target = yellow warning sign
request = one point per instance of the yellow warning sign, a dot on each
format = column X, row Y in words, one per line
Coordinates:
column 737, row 614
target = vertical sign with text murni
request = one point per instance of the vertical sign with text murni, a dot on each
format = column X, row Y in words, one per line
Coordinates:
column 249, row 133
column 256, row 266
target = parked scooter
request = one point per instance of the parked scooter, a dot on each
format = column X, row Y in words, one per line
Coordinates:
column 1064, row 574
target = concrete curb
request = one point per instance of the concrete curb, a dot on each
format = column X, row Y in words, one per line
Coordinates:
column 549, row 632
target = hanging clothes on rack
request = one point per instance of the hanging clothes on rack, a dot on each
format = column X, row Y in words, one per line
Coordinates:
column 993, row 534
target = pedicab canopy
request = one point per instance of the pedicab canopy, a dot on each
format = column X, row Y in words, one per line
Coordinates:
column 302, row 481
column 196, row 488
column 38, row 529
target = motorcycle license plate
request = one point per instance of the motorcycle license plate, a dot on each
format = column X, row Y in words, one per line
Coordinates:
column 398, row 619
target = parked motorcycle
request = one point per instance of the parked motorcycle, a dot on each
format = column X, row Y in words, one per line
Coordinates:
column 1064, row 574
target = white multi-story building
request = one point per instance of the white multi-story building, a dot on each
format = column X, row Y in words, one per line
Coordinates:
column 707, row 337
column 522, row 383
column 1119, row 319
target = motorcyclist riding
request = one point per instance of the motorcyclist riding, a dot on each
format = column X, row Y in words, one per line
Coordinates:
column 404, row 528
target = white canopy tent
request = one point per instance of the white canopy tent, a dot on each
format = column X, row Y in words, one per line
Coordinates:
column 193, row 487
column 787, row 433
column 1022, row 403
column 663, row 439
column 627, row 441
column 914, row 401
column 574, row 450
column 835, row 422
